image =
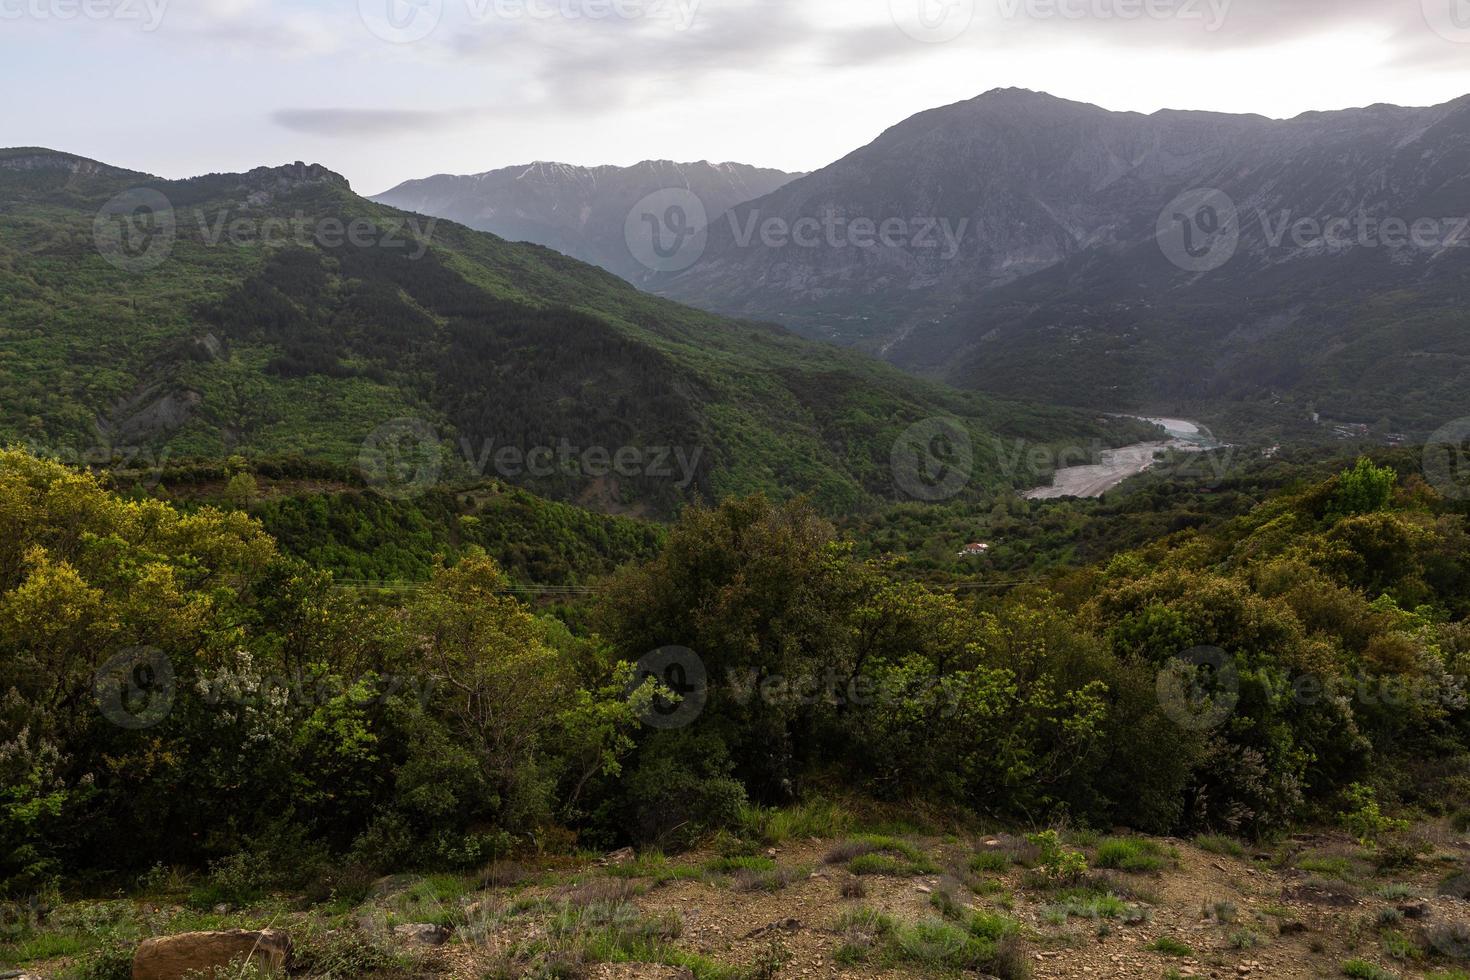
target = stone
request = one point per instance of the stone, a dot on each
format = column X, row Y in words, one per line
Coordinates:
column 173, row 957
column 422, row 933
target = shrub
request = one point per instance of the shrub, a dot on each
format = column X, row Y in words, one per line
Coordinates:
column 1363, row 970
column 990, row 862
column 1218, row 844
column 113, row 961
column 1130, row 854
column 1170, row 946
column 1364, row 819
column 682, row 788
column 1055, row 861
column 935, row 945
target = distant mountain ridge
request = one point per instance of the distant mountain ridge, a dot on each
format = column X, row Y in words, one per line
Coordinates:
column 1060, row 286
column 276, row 312
column 579, row 211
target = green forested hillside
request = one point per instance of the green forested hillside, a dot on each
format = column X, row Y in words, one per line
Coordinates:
column 259, row 327
column 180, row 683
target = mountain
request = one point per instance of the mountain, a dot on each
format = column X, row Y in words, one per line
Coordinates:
column 276, row 312
column 1056, row 277
column 579, row 211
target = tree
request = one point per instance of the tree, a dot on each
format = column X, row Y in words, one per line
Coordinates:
column 241, row 491
column 1364, row 489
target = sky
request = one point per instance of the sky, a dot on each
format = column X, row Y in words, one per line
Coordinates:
column 387, row 90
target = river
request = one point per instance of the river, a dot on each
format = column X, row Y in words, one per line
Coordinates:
column 1117, row 465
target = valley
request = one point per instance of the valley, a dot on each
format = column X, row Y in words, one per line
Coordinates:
column 1014, row 536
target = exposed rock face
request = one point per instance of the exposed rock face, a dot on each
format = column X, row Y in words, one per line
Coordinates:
column 174, row 957
column 263, row 184
column 42, row 159
column 1038, row 180
column 580, row 211
column 1054, row 258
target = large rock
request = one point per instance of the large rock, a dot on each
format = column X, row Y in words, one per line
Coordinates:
column 173, row 957
column 422, row 933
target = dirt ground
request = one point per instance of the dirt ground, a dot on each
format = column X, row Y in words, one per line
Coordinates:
column 1255, row 914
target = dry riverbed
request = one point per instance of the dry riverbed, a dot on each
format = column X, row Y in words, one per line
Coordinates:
column 1117, row 465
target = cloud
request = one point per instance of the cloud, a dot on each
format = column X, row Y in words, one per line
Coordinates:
column 372, row 122
column 584, row 63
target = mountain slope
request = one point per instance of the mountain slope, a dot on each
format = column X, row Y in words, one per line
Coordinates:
column 1059, row 285
column 579, row 211
column 277, row 312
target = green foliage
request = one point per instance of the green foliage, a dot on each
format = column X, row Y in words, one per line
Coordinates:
column 1364, row 489
column 112, row 962
column 449, row 725
column 1170, row 946
column 1057, row 862
column 257, row 348
column 1131, row 854
column 1363, row 970
column 1220, row 844
column 1364, row 819
column 990, row 862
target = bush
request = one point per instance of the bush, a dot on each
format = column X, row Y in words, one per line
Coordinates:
column 1219, row 844
column 1130, row 854
column 1055, row 861
column 681, row 788
column 1170, row 946
column 114, row 961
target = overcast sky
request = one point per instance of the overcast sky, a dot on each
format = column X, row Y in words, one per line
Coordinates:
column 385, row 90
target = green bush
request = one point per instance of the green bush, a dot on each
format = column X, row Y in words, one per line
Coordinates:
column 1130, row 854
